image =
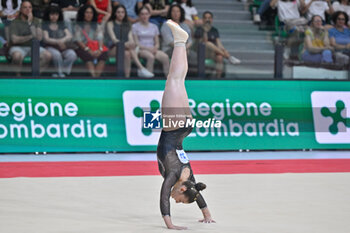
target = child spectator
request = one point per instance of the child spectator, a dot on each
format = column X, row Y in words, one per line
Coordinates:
column 22, row 32
column 146, row 36
column 131, row 6
column 119, row 30
column 56, row 37
column 215, row 50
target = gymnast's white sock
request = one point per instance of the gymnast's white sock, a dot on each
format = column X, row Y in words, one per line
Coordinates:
column 180, row 36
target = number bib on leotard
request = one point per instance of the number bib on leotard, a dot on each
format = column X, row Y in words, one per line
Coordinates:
column 182, row 156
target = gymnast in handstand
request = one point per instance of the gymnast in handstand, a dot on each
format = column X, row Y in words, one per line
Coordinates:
column 179, row 182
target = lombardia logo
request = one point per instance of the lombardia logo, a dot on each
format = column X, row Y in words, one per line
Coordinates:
column 331, row 113
column 135, row 103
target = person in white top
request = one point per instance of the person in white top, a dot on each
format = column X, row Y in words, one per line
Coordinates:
column 342, row 5
column 191, row 13
column 9, row 10
column 289, row 13
column 317, row 7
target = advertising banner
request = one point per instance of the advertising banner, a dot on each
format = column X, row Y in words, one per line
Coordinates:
column 124, row 115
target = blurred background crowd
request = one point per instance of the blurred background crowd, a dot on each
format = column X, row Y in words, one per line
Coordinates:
column 235, row 39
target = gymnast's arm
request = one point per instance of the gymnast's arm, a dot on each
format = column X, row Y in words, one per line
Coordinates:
column 204, row 208
column 165, row 192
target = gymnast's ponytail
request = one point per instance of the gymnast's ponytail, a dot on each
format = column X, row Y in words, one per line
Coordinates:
column 192, row 191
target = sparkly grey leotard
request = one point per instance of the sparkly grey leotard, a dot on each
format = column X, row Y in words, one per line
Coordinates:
column 170, row 166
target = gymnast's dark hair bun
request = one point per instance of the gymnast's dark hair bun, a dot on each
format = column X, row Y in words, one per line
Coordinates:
column 200, row 186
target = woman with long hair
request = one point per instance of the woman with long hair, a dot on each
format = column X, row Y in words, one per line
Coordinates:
column 146, row 36
column 87, row 29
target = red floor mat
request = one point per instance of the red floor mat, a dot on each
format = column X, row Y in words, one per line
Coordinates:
column 131, row 168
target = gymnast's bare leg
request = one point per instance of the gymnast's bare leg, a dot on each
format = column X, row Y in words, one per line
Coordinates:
column 175, row 105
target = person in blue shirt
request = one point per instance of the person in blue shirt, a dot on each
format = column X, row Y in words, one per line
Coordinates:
column 339, row 36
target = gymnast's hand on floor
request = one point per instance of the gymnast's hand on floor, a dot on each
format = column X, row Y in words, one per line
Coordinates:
column 206, row 216
column 177, row 227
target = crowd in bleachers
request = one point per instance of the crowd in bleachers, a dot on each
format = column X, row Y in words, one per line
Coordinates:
column 89, row 30
column 316, row 31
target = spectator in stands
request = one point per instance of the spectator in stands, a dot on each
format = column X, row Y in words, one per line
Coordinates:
column 56, row 37
column 69, row 8
column 317, row 7
column 159, row 10
column 9, row 10
column 89, row 38
column 146, row 36
column 177, row 14
column 289, row 16
column 23, row 30
column 39, row 7
column 342, row 5
column 340, row 36
column 264, row 6
column 103, row 8
column 132, row 6
column 119, row 30
column 317, row 48
column 191, row 13
column 215, row 50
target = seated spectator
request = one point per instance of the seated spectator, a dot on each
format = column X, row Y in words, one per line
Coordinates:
column 215, row 50
column 159, row 10
column 89, row 38
column 131, row 6
column 146, row 36
column 317, row 7
column 340, row 37
column 119, row 30
column 9, row 10
column 289, row 15
column 103, row 8
column 317, row 48
column 56, row 37
column 177, row 14
column 22, row 32
column 191, row 13
column 70, row 9
column 342, row 5
column 39, row 7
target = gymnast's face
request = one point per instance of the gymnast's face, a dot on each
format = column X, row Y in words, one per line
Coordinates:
column 177, row 193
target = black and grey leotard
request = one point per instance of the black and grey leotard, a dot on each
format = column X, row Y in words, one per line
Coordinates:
column 170, row 166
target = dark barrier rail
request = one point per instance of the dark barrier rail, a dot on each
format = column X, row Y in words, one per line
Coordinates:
column 120, row 59
column 35, row 58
